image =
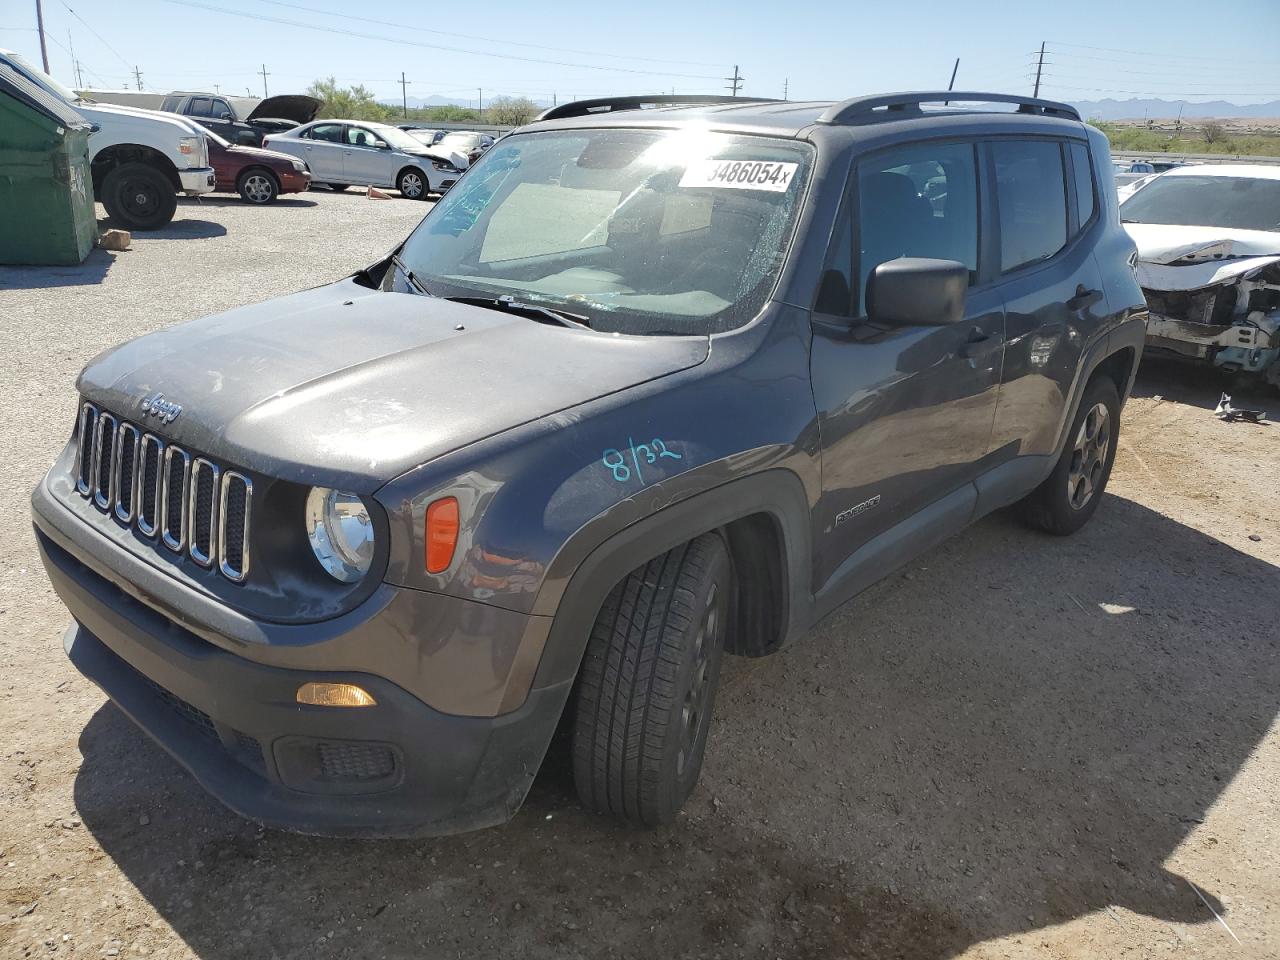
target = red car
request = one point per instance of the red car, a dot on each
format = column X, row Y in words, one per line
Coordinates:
column 258, row 175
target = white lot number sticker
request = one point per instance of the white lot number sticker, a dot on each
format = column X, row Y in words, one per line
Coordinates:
column 740, row 174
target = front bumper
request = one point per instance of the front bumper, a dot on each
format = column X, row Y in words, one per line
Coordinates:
column 197, row 180
column 397, row 769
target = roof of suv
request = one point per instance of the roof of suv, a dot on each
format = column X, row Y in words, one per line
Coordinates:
column 792, row 118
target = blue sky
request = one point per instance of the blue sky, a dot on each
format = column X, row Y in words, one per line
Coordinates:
column 1174, row 49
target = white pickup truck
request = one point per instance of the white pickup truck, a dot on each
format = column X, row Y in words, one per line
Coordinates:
column 141, row 160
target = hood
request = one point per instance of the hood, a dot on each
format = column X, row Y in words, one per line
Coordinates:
column 259, row 153
column 434, row 153
column 352, row 387
column 1188, row 257
column 291, row 106
column 95, row 109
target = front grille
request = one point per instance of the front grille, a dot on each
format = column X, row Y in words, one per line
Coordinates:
column 192, row 504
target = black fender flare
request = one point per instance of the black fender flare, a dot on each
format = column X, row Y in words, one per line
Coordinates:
column 778, row 493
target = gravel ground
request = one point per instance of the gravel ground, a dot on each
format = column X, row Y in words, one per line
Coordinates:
column 1018, row 746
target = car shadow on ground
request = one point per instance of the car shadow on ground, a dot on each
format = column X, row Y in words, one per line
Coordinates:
column 92, row 270
column 183, row 227
column 1014, row 732
column 289, row 200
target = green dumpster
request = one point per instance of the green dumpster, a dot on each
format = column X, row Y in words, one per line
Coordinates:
column 46, row 192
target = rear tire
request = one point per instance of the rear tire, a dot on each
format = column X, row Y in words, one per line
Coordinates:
column 1068, row 498
column 137, row 196
column 648, row 682
column 258, row 187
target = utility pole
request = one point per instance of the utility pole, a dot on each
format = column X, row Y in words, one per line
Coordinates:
column 480, row 90
column 137, row 76
column 217, row 88
column 786, row 84
column 74, row 62
column 1039, row 69
column 264, row 73
column 404, row 94
column 44, row 51
column 735, row 82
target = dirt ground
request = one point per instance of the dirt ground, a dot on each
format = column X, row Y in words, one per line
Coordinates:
column 1018, row 746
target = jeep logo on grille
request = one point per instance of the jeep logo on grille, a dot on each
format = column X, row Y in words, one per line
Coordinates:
column 157, row 406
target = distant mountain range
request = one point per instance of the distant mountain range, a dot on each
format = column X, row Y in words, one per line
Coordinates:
column 1138, row 109
column 1108, row 109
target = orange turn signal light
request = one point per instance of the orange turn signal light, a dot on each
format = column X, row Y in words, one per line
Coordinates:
column 335, row 695
column 442, row 534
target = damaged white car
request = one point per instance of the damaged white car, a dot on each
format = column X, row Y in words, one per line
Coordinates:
column 1208, row 242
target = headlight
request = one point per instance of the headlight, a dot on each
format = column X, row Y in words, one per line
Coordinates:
column 299, row 166
column 341, row 533
column 189, row 146
column 442, row 165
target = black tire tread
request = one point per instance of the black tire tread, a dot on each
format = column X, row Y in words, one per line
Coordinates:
column 628, row 683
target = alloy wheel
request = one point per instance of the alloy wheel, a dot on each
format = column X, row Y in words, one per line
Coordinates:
column 258, row 188
column 693, row 711
column 411, row 186
column 1089, row 456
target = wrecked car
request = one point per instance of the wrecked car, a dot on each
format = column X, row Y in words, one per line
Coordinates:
column 660, row 380
column 1208, row 241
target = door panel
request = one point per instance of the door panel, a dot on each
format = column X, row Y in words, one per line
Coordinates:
column 1051, row 305
column 905, row 420
column 323, row 152
column 364, row 163
column 905, row 414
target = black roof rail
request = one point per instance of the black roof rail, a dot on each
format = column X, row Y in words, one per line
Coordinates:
column 583, row 108
column 887, row 106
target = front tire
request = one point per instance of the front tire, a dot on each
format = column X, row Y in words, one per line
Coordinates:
column 139, row 197
column 258, row 187
column 648, row 682
column 337, row 187
column 413, row 184
column 1068, row 498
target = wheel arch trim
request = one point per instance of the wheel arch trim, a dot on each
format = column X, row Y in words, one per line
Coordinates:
column 777, row 493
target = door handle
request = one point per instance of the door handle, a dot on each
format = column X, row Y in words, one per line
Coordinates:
column 979, row 344
column 1084, row 298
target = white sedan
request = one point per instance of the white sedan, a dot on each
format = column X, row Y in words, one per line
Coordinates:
column 345, row 152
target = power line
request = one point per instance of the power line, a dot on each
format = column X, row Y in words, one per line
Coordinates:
column 428, row 46
column 472, row 36
column 1141, row 53
column 95, row 33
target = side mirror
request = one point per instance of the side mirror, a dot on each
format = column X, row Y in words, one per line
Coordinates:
column 225, row 116
column 917, row 292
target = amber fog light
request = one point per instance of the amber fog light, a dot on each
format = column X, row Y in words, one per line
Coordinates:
column 335, row 695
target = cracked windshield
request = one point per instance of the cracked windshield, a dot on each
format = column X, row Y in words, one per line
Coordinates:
column 640, row 232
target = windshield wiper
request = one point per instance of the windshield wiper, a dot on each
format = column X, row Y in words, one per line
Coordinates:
column 409, row 275
column 511, row 305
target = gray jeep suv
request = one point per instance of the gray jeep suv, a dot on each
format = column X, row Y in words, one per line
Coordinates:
column 658, row 380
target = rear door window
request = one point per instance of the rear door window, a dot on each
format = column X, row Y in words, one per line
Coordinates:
column 917, row 201
column 1032, row 198
column 328, row 132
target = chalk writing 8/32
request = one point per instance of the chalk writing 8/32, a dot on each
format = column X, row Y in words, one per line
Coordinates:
column 640, row 454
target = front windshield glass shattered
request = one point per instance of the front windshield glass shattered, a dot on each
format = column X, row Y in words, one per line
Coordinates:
column 643, row 232
column 1239, row 203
